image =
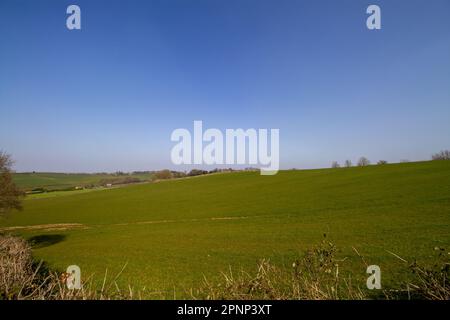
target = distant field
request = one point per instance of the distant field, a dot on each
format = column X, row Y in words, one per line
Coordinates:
column 172, row 233
column 58, row 181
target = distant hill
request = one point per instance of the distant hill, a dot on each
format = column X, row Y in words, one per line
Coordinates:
column 60, row 181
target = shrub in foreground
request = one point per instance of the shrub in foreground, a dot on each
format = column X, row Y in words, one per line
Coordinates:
column 318, row 275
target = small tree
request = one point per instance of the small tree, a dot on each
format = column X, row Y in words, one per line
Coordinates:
column 363, row 161
column 196, row 172
column 335, row 164
column 348, row 163
column 163, row 174
column 178, row 174
column 443, row 155
column 381, row 162
column 10, row 194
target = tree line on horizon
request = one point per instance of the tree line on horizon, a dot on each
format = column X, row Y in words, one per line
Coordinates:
column 363, row 161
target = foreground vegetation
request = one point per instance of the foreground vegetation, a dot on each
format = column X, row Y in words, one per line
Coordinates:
column 173, row 234
column 315, row 275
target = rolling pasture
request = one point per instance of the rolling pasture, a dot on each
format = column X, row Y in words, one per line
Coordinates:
column 170, row 234
column 59, row 181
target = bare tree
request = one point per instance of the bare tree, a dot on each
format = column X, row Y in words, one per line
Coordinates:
column 382, row 162
column 348, row 163
column 335, row 164
column 10, row 194
column 363, row 161
column 443, row 155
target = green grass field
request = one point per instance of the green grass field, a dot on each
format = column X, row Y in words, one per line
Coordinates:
column 59, row 181
column 171, row 233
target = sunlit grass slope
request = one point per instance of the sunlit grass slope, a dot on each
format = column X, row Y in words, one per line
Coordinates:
column 172, row 233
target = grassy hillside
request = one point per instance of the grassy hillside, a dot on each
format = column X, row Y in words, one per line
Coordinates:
column 170, row 233
column 58, row 181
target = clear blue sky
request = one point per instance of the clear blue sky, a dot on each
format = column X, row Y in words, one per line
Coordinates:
column 107, row 97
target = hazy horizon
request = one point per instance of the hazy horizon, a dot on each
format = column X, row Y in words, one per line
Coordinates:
column 187, row 168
